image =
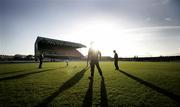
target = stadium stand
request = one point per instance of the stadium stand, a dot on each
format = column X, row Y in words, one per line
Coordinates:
column 52, row 48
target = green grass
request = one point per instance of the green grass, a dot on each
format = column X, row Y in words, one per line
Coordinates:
column 150, row 84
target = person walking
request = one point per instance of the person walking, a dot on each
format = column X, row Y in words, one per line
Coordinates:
column 93, row 56
column 116, row 60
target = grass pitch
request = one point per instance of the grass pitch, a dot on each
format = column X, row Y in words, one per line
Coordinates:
column 150, row 84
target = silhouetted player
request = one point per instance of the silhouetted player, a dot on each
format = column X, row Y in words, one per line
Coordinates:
column 67, row 63
column 40, row 60
column 116, row 60
column 93, row 57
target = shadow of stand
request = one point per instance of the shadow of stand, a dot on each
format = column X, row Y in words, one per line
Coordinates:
column 154, row 87
column 68, row 84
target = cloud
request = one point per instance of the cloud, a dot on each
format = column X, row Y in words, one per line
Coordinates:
column 164, row 2
column 168, row 19
column 179, row 50
column 156, row 28
column 148, row 19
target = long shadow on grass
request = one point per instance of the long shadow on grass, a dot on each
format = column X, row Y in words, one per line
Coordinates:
column 104, row 99
column 154, row 87
column 13, row 72
column 87, row 102
column 68, row 84
column 26, row 74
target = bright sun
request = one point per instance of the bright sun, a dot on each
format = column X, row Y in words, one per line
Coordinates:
column 107, row 35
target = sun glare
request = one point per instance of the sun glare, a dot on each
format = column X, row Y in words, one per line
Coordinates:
column 107, row 36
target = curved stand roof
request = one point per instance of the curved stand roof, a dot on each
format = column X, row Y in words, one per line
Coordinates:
column 59, row 43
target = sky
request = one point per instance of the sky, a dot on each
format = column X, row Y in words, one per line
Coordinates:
column 131, row 27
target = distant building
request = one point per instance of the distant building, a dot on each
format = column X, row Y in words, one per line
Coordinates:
column 19, row 57
column 6, row 57
column 106, row 58
column 52, row 48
